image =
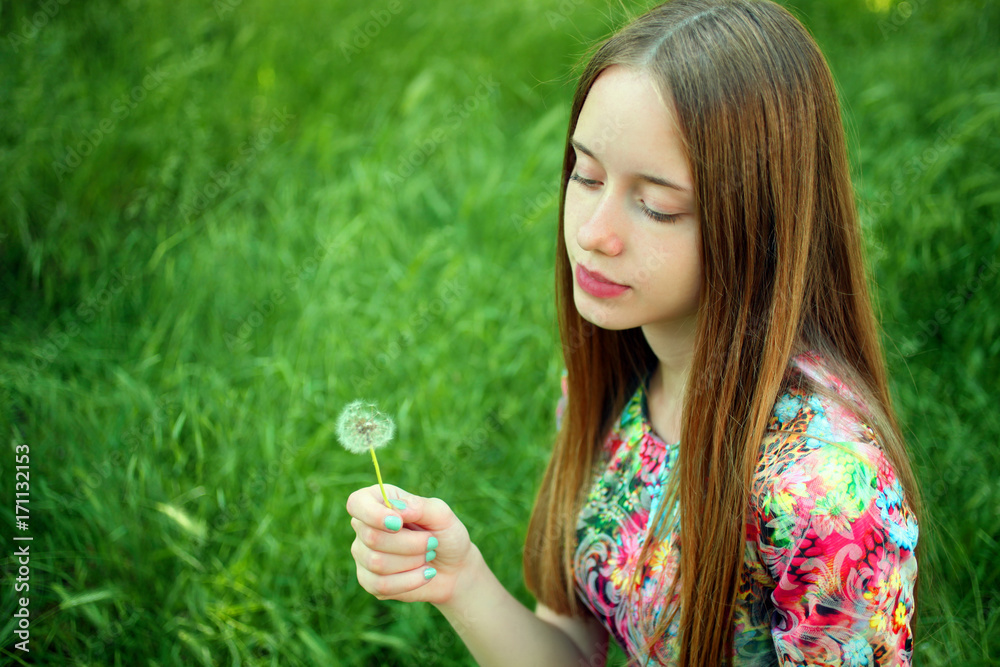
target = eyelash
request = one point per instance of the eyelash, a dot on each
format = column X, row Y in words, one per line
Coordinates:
column 585, row 182
column 590, row 183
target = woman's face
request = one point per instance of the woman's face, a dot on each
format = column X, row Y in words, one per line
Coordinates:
column 630, row 210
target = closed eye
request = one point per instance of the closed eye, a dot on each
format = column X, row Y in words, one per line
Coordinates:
column 657, row 216
column 592, row 184
column 585, row 182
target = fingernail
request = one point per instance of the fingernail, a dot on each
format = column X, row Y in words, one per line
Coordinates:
column 432, row 543
column 398, row 504
column 431, row 555
column 429, row 573
column 393, row 523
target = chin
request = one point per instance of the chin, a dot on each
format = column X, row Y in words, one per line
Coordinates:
column 600, row 316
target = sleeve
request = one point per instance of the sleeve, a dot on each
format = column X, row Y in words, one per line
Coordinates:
column 836, row 535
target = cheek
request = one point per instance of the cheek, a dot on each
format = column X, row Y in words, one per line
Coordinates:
column 678, row 272
column 572, row 215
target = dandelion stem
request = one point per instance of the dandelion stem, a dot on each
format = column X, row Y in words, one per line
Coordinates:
column 379, row 475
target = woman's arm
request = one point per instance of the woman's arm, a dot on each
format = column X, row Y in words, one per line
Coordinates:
column 500, row 631
column 497, row 629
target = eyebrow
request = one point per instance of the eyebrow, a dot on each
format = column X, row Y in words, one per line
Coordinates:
column 656, row 180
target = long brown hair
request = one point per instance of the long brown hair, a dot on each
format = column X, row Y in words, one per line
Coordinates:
column 783, row 272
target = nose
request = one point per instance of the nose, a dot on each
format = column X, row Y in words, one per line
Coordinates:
column 599, row 232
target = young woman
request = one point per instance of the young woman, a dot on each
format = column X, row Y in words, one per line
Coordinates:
column 728, row 483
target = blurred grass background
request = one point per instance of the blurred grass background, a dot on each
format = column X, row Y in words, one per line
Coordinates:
column 221, row 221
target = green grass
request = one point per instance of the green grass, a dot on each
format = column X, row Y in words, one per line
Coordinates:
column 262, row 230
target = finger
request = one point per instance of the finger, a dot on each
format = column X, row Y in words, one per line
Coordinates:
column 368, row 506
column 381, row 563
column 406, row 542
column 394, row 585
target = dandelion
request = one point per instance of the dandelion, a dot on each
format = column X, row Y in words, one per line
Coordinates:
column 362, row 427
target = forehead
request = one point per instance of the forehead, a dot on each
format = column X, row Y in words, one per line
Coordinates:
column 629, row 126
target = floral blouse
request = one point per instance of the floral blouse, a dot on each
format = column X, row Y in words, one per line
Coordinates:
column 829, row 569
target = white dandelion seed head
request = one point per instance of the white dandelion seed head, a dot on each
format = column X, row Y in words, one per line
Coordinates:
column 361, row 427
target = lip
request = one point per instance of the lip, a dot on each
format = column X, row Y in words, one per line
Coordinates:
column 595, row 284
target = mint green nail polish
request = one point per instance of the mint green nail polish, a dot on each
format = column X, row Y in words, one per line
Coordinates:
column 432, row 543
column 393, row 523
column 398, row 504
column 429, row 573
column 431, row 555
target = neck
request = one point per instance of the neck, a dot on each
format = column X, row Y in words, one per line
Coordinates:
column 673, row 345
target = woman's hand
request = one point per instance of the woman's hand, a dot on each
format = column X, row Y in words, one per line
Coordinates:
column 497, row 628
column 416, row 551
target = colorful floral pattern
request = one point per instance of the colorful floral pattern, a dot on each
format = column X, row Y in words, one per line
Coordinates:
column 829, row 565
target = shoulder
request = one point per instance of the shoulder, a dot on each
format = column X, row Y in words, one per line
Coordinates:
column 822, row 470
column 816, row 417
